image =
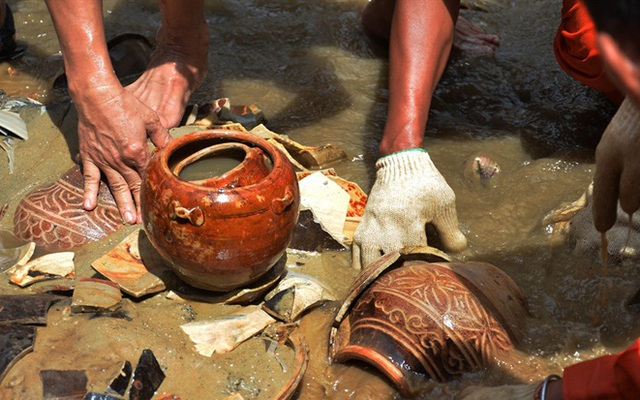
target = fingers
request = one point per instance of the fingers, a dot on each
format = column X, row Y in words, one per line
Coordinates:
column 356, row 262
column 126, row 192
column 628, row 191
column 91, row 185
column 159, row 136
column 449, row 231
column 125, row 188
column 605, row 196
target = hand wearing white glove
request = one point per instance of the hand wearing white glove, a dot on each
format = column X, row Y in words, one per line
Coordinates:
column 408, row 193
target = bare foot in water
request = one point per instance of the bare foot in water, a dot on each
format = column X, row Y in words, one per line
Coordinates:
column 470, row 39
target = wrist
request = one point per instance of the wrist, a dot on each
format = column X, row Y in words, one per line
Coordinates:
column 549, row 389
column 413, row 149
column 404, row 165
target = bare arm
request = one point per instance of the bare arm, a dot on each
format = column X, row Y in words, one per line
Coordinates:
column 114, row 123
column 420, row 43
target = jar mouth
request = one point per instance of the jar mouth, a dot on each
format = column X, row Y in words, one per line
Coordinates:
column 220, row 160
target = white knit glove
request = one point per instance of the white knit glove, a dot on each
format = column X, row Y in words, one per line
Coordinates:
column 408, row 193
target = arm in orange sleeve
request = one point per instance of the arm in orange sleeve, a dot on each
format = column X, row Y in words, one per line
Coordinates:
column 615, row 376
column 577, row 53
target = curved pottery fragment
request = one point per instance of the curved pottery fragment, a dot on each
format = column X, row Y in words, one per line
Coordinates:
column 418, row 319
column 14, row 251
column 53, row 217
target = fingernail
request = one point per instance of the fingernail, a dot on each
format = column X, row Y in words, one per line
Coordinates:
column 87, row 204
column 128, row 216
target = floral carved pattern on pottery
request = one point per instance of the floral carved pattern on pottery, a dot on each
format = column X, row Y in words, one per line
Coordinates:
column 433, row 314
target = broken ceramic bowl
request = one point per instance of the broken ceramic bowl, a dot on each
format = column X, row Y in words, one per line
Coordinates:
column 224, row 237
column 414, row 318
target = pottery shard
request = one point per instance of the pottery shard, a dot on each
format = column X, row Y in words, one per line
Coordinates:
column 52, row 216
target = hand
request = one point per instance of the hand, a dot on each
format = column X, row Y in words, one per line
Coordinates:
column 112, row 135
column 408, row 193
column 177, row 67
column 617, row 167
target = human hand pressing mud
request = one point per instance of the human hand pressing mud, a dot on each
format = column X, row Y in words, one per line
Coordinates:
column 112, row 135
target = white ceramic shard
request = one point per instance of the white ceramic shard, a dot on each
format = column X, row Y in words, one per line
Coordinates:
column 225, row 334
column 49, row 266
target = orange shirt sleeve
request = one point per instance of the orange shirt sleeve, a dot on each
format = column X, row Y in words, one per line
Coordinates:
column 614, row 376
column 576, row 50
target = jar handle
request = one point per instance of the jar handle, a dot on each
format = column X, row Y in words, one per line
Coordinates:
column 280, row 205
column 194, row 215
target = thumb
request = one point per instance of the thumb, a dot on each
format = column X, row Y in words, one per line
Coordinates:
column 159, row 136
column 356, row 262
column 449, row 231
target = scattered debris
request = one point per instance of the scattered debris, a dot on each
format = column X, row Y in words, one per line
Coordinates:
column 14, row 252
column 99, row 396
column 328, row 202
column 135, row 266
column 225, row 334
column 121, row 382
column 309, row 157
column 357, row 202
column 63, row 384
column 16, row 341
column 49, row 266
column 147, row 377
column 295, row 294
column 25, row 309
column 95, row 295
column 309, row 236
column 221, row 113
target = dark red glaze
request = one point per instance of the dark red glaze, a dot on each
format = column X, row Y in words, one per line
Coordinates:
column 438, row 320
column 219, row 238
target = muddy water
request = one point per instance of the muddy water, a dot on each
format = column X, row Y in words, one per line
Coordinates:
column 308, row 66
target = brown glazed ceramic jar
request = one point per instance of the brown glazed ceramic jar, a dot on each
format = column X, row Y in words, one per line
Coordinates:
column 226, row 231
column 412, row 319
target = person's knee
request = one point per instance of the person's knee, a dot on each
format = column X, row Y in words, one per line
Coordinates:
column 376, row 18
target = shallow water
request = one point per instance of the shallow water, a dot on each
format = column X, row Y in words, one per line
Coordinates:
column 317, row 78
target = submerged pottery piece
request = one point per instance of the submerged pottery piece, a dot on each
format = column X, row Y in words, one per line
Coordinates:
column 135, row 266
column 95, row 295
column 14, row 252
column 53, row 217
column 120, row 383
column 421, row 319
column 26, row 309
column 219, row 238
column 481, row 167
column 63, row 384
column 16, row 341
column 147, row 377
